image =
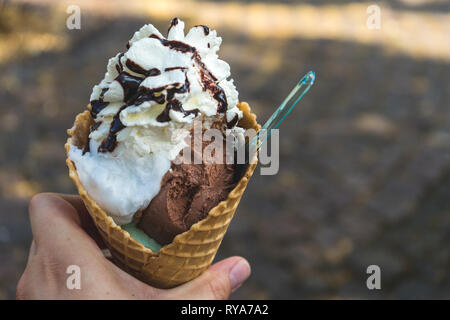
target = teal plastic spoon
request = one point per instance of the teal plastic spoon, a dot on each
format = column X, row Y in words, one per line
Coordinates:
column 281, row 113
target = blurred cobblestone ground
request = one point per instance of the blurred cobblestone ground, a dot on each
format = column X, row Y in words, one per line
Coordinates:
column 365, row 166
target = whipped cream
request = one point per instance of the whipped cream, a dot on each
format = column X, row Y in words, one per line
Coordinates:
column 144, row 110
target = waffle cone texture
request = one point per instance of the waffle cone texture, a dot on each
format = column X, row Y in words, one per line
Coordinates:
column 191, row 252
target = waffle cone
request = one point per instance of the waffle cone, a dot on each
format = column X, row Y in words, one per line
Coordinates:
column 190, row 253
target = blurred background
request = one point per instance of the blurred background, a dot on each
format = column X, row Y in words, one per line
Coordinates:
column 364, row 167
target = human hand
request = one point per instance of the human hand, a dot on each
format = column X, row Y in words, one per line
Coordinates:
column 64, row 235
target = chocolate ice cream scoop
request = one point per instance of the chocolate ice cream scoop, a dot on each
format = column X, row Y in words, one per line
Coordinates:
column 188, row 192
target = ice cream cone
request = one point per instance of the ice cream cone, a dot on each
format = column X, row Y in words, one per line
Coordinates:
column 191, row 252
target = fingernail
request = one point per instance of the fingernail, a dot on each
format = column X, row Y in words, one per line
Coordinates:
column 238, row 274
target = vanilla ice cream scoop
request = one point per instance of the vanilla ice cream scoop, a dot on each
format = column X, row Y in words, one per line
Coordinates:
column 144, row 109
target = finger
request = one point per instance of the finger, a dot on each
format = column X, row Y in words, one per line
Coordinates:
column 217, row 283
column 85, row 218
column 56, row 226
column 79, row 206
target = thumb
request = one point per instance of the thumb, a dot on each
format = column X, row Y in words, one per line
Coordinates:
column 216, row 283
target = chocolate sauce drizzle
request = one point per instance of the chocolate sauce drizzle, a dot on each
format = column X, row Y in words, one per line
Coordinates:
column 110, row 142
column 172, row 24
column 130, row 85
column 94, row 127
column 145, row 94
column 98, row 105
column 135, row 95
column 205, row 29
column 174, row 68
column 176, row 105
column 119, row 66
column 175, row 44
column 233, row 122
column 133, row 66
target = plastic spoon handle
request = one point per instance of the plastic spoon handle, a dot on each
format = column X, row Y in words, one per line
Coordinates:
column 284, row 109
